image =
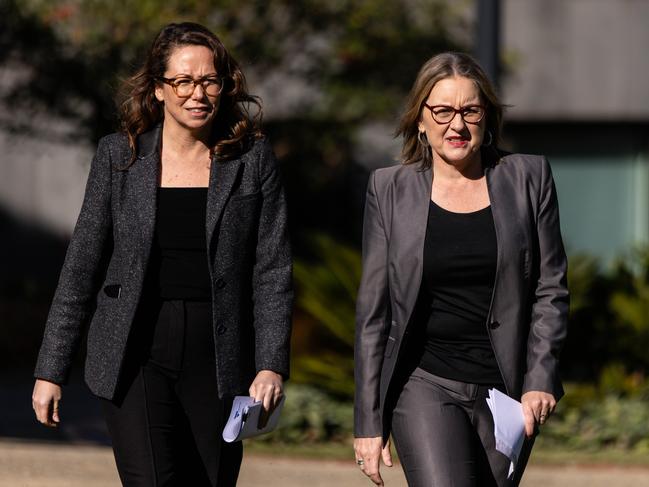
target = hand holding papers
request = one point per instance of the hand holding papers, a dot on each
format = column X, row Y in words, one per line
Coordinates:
column 509, row 425
column 244, row 419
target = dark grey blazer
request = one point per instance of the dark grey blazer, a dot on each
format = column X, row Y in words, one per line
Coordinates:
column 103, row 274
column 529, row 310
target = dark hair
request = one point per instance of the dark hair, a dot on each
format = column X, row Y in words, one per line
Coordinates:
column 139, row 110
column 437, row 68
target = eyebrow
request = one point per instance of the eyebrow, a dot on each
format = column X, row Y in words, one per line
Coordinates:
column 185, row 75
column 453, row 106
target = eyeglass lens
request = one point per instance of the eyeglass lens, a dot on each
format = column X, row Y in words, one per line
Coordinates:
column 470, row 114
column 186, row 86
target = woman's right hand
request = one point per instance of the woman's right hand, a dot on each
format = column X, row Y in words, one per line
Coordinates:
column 45, row 401
column 368, row 451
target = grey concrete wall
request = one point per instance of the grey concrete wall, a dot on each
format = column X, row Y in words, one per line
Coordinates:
column 571, row 60
column 576, row 59
column 42, row 179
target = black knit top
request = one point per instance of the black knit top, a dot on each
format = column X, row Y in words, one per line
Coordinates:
column 460, row 254
column 180, row 248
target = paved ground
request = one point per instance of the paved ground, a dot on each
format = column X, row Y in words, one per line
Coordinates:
column 76, row 455
column 37, row 464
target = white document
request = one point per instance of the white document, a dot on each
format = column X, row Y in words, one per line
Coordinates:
column 244, row 418
column 509, row 425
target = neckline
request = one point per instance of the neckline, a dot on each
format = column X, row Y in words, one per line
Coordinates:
column 183, row 187
column 481, row 210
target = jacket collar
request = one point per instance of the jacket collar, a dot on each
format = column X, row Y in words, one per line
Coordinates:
column 148, row 143
column 223, row 177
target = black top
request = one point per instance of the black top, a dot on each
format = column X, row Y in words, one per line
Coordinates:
column 180, row 244
column 460, row 254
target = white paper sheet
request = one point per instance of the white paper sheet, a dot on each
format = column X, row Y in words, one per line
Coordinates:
column 509, row 425
column 244, row 418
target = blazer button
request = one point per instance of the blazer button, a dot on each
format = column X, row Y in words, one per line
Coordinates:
column 220, row 330
column 493, row 325
column 220, row 283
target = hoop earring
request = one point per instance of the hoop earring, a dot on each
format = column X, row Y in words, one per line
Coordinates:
column 491, row 139
column 422, row 141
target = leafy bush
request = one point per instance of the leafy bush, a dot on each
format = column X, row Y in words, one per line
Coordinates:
column 326, row 291
column 608, row 325
column 590, row 419
column 621, row 423
column 609, row 316
column 311, row 416
column 611, row 414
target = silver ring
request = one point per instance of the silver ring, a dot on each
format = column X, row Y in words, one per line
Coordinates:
column 360, row 461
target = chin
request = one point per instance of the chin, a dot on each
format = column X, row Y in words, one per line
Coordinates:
column 197, row 124
column 459, row 157
column 462, row 158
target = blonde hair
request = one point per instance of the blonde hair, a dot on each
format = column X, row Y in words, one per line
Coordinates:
column 437, row 68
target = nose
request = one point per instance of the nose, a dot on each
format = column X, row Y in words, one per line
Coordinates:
column 199, row 92
column 457, row 122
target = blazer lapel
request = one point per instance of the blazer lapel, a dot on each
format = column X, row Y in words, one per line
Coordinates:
column 507, row 224
column 145, row 176
column 223, row 176
column 498, row 212
column 412, row 202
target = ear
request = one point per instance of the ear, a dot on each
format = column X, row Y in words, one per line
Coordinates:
column 421, row 128
column 159, row 92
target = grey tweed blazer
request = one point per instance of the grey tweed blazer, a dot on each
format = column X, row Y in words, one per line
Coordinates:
column 104, row 269
column 527, row 320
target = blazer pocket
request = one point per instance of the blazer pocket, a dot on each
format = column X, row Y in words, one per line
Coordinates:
column 113, row 291
column 245, row 197
column 392, row 339
column 525, row 262
column 389, row 347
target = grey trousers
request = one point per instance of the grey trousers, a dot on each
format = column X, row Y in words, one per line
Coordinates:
column 444, row 436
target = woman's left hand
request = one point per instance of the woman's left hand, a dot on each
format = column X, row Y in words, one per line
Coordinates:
column 268, row 387
column 537, row 408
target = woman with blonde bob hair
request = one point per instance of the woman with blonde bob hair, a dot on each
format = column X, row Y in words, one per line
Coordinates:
column 463, row 289
column 180, row 263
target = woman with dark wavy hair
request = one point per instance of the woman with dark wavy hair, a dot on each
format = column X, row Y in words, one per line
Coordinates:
column 463, row 289
column 180, row 262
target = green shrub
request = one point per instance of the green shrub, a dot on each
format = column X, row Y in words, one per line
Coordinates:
column 610, row 422
column 588, row 419
column 326, row 291
column 311, row 416
column 614, row 413
column 609, row 316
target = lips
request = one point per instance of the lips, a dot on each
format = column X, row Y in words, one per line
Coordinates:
column 457, row 141
column 199, row 113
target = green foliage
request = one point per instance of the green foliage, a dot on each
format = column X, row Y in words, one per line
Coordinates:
column 613, row 414
column 629, row 304
column 359, row 57
column 589, row 419
column 583, row 273
column 327, row 287
column 609, row 320
column 311, row 416
column 610, row 422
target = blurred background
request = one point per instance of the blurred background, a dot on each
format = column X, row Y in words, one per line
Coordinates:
column 333, row 75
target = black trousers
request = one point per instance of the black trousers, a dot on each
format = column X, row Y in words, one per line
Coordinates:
column 166, row 419
column 444, row 434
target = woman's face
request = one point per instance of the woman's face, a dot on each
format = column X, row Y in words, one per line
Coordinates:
column 197, row 111
column 456, row 142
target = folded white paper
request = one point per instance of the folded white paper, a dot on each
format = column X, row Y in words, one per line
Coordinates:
column 509, row 425
column 244, row 418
